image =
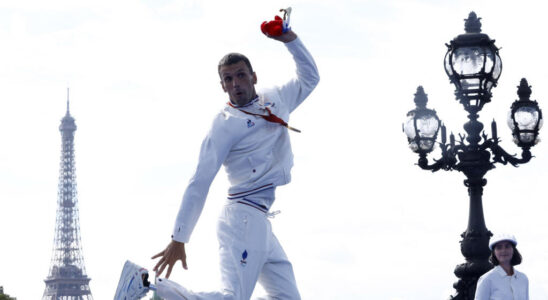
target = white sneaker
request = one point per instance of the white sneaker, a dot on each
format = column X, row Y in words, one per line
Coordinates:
column 133, row 284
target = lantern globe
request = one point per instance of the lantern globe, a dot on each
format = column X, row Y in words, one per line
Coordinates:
column 422, row 125
column 525, row 117
column 473, row 65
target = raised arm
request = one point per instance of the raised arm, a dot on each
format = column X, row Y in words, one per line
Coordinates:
column 287, row 37
column 297, row 89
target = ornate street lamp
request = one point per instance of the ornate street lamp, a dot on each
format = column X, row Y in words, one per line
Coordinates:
column 473, row 66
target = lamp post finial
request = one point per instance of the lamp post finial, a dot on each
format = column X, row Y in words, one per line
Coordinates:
column 420, row 97
column 524, row 90
column 472, row 24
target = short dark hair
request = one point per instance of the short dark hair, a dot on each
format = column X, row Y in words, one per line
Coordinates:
column 516, row 257
column 233, row 58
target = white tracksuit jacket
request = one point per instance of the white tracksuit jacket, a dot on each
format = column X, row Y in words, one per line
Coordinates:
column 256, row 153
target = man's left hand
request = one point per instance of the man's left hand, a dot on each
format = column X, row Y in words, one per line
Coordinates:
column 287, row 37
column 174, row 251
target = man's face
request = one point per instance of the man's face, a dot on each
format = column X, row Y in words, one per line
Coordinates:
column 238, row 81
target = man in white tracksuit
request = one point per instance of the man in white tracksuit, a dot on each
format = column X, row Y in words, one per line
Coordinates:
column 250, row 138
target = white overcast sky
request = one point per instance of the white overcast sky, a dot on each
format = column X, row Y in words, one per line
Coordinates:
column 359, row 221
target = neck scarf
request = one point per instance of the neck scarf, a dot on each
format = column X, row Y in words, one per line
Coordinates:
column 270, row 117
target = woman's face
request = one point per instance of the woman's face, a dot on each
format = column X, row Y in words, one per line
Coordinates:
column 504, row 252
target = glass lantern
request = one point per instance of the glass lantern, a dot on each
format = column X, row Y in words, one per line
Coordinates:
column 422, row 125
column 525, row 117
column 473, row 65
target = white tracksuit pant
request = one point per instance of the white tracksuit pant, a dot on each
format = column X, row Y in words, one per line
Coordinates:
column 249, row 251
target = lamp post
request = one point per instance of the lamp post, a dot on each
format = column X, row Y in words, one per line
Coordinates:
column 473, row 65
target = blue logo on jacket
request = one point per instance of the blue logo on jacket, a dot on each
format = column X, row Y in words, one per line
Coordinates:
column 250, row 123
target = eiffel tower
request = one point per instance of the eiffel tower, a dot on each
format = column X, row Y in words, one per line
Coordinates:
column 67, row 279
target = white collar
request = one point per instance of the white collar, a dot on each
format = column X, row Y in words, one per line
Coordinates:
column 502, row 272
column 247, row 104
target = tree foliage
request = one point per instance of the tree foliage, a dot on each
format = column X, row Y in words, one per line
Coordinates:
column 6, row 297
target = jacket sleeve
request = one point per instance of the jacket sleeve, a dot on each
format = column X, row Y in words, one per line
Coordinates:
column 215, row 148
column 297, row 89
column 526, row 287
column 483, row 289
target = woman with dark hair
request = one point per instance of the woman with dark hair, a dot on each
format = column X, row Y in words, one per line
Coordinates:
column 503, row 282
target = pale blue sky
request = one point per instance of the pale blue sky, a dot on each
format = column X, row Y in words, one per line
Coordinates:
column 359, row 220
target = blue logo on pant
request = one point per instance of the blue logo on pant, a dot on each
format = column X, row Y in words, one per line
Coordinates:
column 244, row 256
